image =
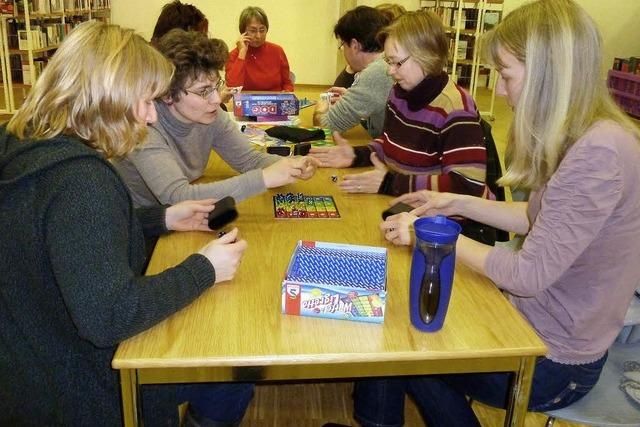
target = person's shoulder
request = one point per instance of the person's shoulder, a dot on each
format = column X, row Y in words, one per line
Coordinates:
column 375, row 73
column 455, row 101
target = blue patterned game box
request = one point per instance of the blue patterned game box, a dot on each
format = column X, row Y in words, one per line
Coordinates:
column 337, row 281
column 265, row 104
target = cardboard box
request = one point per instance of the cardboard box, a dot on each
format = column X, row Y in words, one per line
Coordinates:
column 265, row 104
column 336, row 281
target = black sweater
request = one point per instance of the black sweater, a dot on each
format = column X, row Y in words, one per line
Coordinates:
column 71, row 284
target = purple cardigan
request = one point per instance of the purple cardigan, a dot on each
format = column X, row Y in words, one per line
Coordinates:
column 575, row 275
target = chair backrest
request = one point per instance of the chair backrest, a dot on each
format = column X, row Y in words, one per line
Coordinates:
column 494, row 171
column 606, row 404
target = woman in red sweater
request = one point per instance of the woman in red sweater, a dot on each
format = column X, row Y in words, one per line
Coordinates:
column 256, row 64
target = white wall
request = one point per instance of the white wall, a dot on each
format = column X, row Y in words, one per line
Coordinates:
column 618, row 23
column 304, row 27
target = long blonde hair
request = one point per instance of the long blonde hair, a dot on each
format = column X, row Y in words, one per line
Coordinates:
column 563, row 93
column 91, row 88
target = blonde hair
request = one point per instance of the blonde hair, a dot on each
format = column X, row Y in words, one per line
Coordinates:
column 391, row 10
column 423, row 36
column 563, row 93
column 91, row 88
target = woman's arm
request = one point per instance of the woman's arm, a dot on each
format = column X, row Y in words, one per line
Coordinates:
column 235, row 69
column 285, row 73
column 91, row 251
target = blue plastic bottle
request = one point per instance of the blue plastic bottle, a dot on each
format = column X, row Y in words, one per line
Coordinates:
column 432, row 269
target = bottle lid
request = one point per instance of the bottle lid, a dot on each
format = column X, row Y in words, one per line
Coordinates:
column 437, row 229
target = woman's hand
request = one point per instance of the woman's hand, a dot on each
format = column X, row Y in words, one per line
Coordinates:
column 336, row 93
column 365, row 182
column 340, row 156
column 429, row 203
column 243, row 45
column 283, row 172
column 189, row 215
column 397, row 228
column 307, row 166
column 225, row 255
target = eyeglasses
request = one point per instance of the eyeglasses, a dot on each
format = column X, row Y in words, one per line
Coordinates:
column 341, row 44
column 254, row 31
column 207, row 91
column 398, row 64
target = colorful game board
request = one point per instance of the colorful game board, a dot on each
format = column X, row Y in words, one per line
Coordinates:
column 337, row 281
column 300, row 205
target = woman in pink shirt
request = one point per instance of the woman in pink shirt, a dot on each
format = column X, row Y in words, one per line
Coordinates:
column 574, row 276
column 255, row 63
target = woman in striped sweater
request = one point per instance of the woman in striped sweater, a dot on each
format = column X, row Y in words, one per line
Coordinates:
column 432, row 138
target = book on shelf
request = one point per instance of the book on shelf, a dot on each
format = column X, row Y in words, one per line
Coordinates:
column 6, row 7
column 462, row 49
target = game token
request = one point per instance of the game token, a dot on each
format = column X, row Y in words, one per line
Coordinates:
column 334, row 178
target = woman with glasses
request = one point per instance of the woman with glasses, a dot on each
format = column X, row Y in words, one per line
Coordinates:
column 432, row 138
column 190, row 124
column 255, row 63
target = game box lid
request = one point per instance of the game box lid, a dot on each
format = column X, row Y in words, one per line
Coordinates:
column 335, row 280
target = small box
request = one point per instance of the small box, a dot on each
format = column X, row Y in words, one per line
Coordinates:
column 336, row 281
column 265, row 104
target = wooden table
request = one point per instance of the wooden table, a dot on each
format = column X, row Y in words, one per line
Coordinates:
column 236, row 332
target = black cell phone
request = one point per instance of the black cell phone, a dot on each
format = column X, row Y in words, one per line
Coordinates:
column 396, row 209
column 224, row 212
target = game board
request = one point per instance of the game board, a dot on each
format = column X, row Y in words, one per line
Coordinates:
column 301, row 205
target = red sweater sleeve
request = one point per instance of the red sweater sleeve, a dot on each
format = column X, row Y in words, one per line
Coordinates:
column 287, row 84
column 234, row 69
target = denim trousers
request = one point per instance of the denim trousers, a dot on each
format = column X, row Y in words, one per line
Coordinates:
column 443, row 399
column 221, row 404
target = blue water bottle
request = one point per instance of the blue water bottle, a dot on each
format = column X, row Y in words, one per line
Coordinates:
column 432, row 267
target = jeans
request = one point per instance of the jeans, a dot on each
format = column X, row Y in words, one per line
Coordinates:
column 442, row 399
column 221, row 404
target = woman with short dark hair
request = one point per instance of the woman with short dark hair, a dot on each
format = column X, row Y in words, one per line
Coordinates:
column 255, row 63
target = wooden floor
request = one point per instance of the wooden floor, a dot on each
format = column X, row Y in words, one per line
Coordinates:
column 313, row 404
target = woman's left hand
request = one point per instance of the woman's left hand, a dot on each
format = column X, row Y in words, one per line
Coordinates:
column 365, row 182
column 397, row 228
column 189, row 215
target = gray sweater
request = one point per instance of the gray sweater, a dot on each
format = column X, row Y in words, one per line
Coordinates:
column 176, row 153
column 575, row 275
column 365, row 100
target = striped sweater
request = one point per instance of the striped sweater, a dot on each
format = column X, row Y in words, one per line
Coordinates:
column 432, row 139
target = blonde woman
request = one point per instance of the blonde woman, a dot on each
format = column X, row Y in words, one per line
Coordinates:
column 432, row 138
column 71, row 257
column 577, row 270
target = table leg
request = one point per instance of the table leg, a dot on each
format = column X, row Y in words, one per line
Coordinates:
column 519, row 393
column 129, row 390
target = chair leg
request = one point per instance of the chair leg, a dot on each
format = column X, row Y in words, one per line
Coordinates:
column 550, row 421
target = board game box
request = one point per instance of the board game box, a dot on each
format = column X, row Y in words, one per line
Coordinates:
column 336, row 281
column 265, row 105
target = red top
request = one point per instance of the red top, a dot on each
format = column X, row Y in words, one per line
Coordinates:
column 264, row 68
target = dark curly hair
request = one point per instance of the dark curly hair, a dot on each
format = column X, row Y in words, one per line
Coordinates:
column 192, row 54
column 179, row 15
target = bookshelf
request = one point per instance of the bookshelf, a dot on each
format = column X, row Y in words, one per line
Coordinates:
column 30, row 32
column 465, row 22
